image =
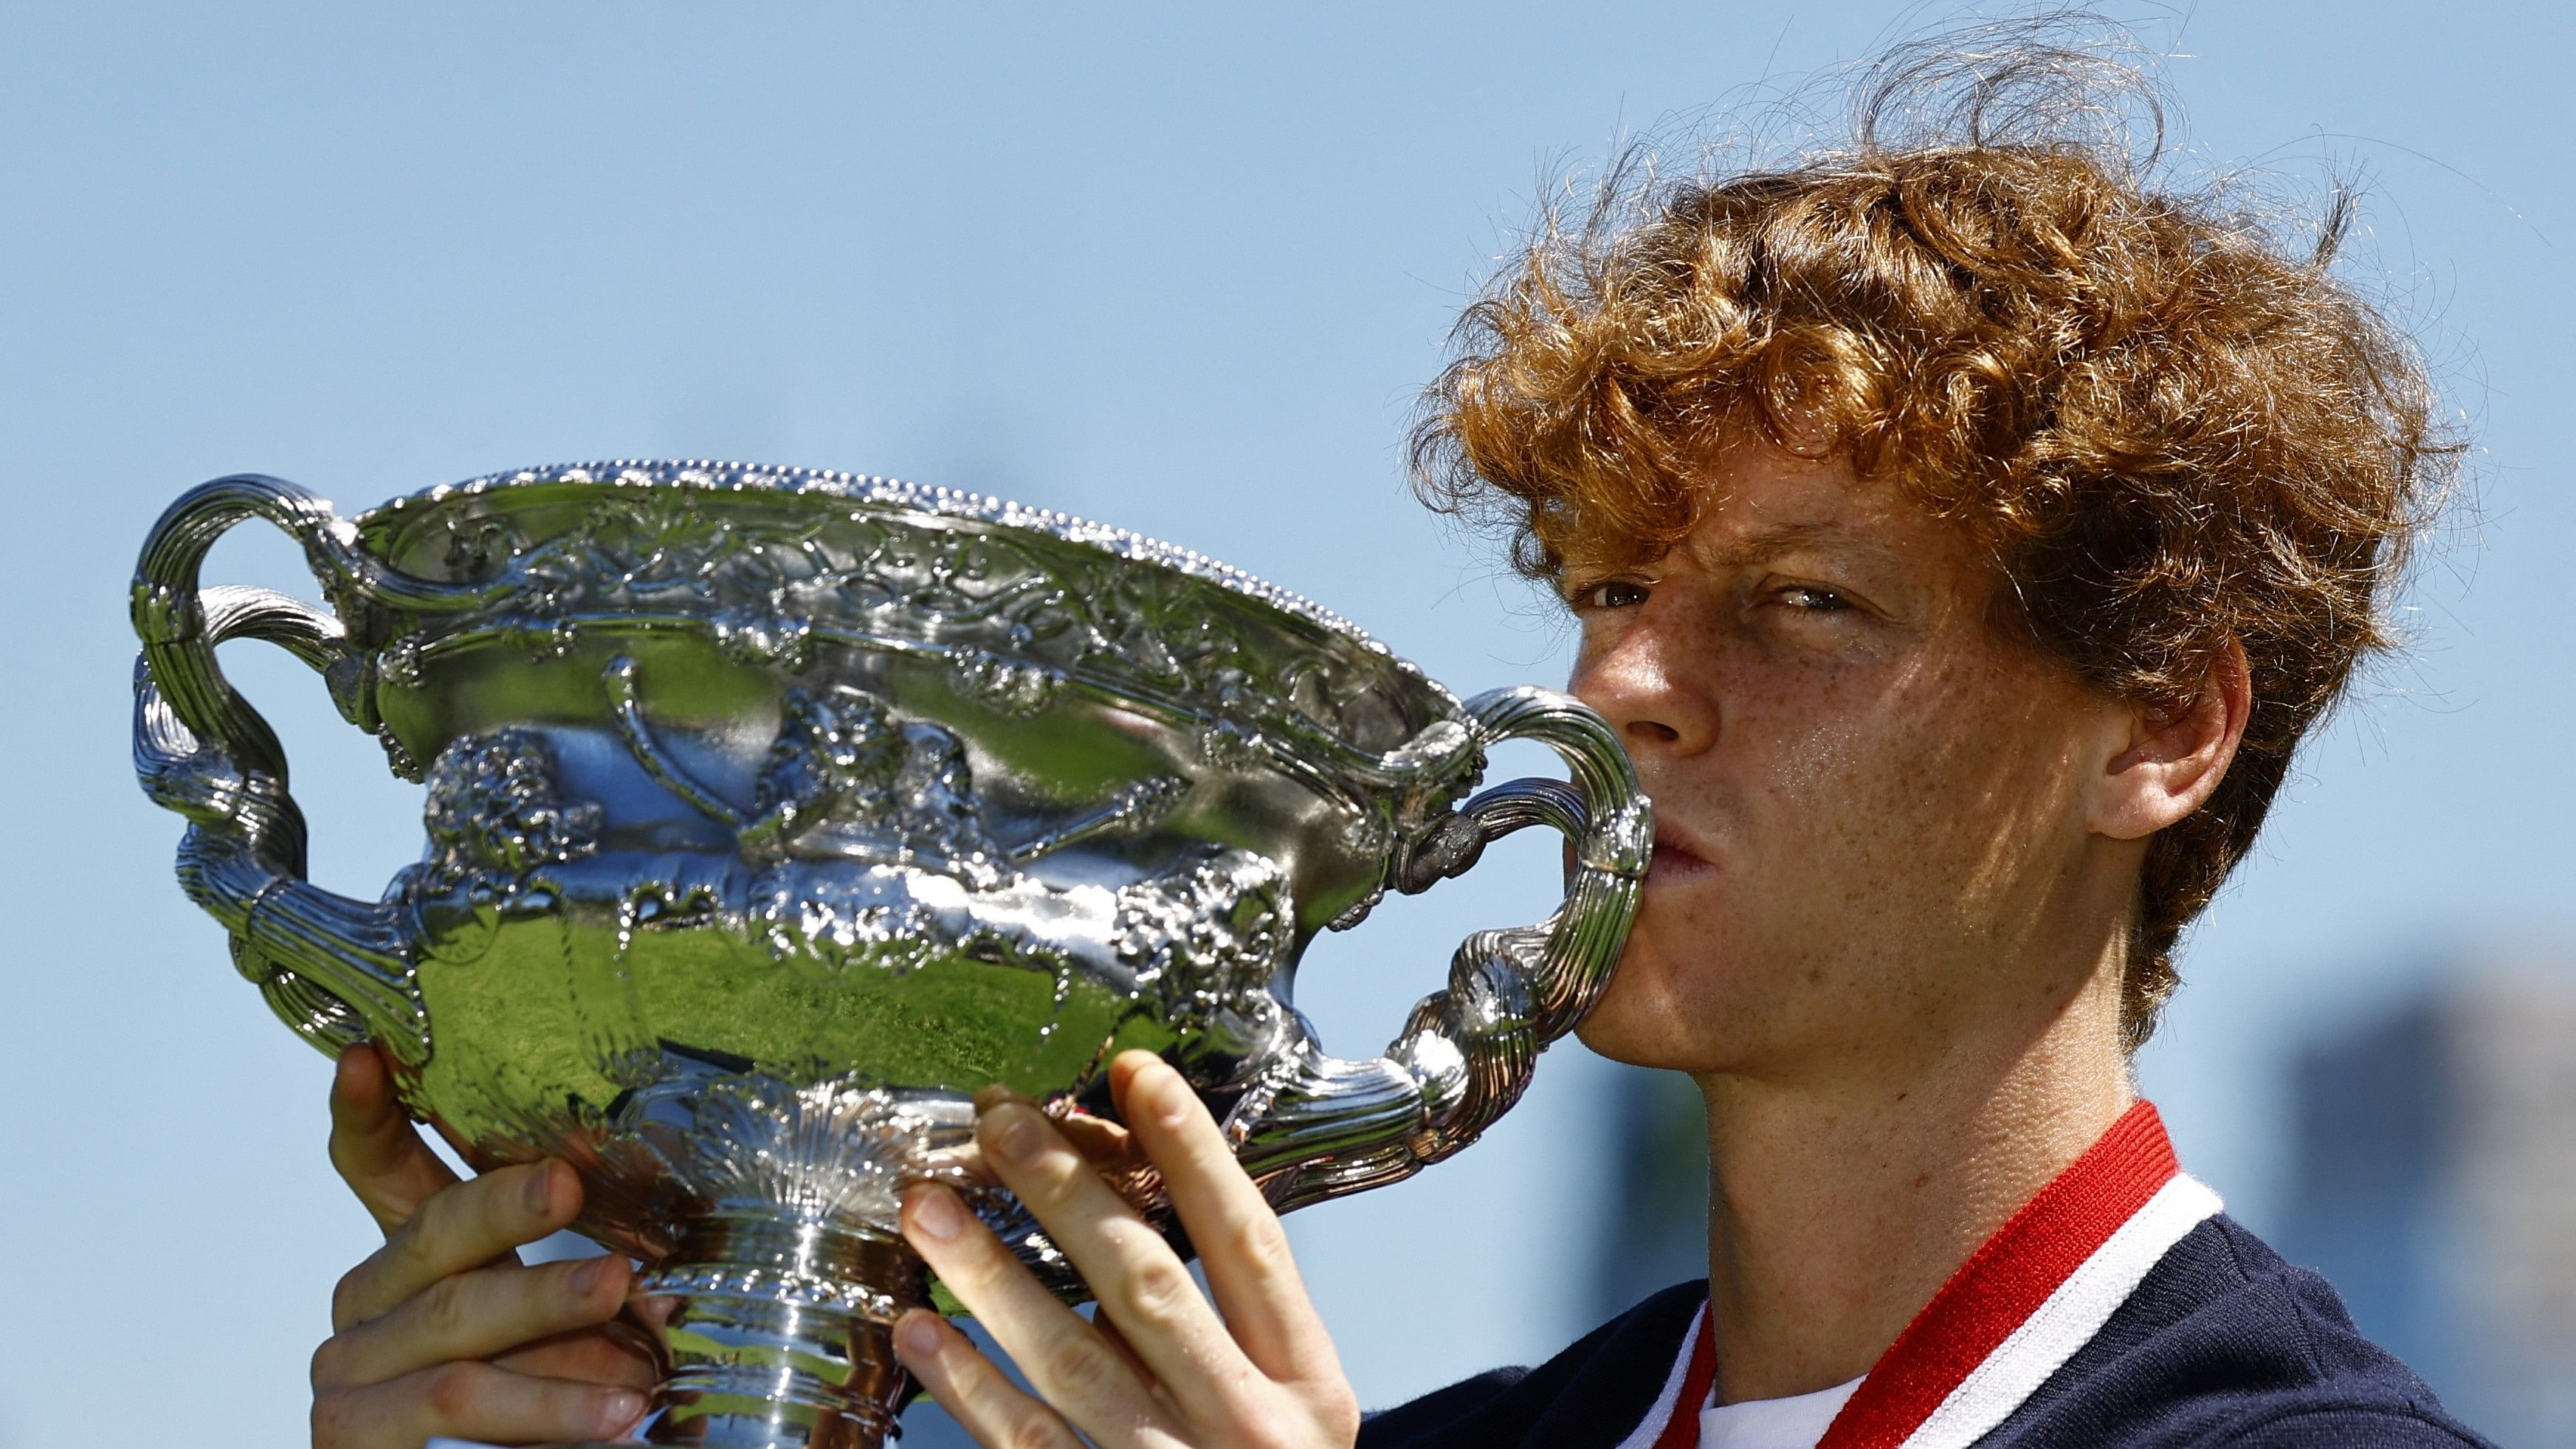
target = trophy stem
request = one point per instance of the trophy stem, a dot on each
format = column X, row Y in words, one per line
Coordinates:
column 780, row 1333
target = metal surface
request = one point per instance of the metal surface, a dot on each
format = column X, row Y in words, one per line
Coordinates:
column 772, row 814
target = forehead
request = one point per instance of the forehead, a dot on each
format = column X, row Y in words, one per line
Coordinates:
column 1759, row 504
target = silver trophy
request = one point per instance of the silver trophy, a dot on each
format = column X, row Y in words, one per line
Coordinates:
column 772, row 814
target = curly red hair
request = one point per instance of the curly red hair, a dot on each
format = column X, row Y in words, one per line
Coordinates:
column 2169, row 429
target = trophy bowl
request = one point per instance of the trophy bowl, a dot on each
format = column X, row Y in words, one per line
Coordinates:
column 772, row 814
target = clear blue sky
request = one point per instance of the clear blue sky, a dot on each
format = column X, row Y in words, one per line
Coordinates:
column 1180, row 269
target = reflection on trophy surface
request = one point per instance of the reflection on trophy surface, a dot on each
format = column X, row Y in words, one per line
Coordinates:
column 773, row 814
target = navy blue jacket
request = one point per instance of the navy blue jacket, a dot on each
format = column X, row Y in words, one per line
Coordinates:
column 2222, row 1344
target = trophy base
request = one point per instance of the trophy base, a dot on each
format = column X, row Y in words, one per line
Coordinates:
column 779, row 1335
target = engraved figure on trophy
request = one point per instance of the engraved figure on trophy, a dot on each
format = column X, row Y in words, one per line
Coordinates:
column 772, row 815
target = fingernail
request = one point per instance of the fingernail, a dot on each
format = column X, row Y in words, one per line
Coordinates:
column 539, row 1191
column 1171, row 1097
column 1018, row 1138
column 917, row 1335
column 936, row 1211
column 586, row 1277
column 618, row 1409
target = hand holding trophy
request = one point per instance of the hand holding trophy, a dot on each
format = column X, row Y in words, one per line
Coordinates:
column 773, row 815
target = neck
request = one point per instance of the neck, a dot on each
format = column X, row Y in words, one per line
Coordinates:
column 1839, row 1202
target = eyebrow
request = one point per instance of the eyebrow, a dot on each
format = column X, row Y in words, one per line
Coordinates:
column 1766, row 544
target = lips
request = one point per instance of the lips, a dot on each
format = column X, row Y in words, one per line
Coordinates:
column 1675, row 856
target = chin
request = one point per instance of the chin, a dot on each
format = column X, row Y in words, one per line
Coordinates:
column 1646, row 1017
column 1680, row 1002
column 1606, row 1036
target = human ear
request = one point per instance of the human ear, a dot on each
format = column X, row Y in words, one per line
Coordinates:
column 2172, row 760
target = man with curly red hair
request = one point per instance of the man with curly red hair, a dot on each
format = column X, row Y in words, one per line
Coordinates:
column 1963, row 532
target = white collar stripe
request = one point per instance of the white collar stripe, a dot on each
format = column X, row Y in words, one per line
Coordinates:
column 1652, row 1427
column 2068, row 1319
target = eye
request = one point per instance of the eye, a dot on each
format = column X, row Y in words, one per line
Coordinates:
column 1608, row 594
column 1810, row 599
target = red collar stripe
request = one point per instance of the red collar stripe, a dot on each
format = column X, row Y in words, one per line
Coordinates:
column 1972, row 1353
column 1681, row 1431
column 2066, row 1321
column 2022, row 1304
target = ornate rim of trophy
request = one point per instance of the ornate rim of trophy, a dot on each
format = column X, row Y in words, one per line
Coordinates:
column 773, row 813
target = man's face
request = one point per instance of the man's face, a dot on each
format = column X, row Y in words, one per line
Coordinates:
column 1870, row 801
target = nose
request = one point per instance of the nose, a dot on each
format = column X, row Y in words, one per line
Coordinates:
column 1654, row 694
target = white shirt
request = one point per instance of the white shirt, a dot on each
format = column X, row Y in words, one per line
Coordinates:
column 1797, row 1422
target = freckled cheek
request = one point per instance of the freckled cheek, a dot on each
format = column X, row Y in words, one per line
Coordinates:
column 1811, row 758
column 1860, row 789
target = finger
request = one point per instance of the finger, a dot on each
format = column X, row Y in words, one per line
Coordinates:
column 463, row 1227
column 1117, row 1341
column 974, row 1390
column 1065, row 1359
column 373, row 1144
column 474, row 1315
column 469, row 1400
column 1141, row 1284
column 612, row 1353
column 1241, row 1245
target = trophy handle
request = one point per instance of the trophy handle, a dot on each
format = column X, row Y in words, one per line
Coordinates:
column 1319, row 1127
column 337, row 970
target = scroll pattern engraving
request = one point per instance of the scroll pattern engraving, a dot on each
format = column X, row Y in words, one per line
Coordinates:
column 848, row 784
column 1014, row 616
